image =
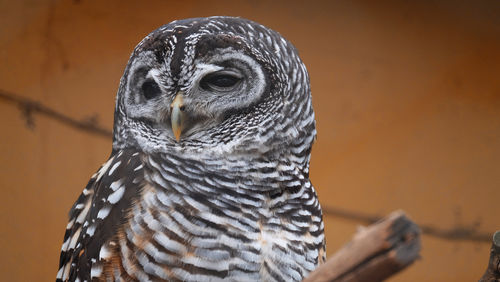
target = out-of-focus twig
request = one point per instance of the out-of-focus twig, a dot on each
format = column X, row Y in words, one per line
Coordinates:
column 29, row 107
column 458, row 233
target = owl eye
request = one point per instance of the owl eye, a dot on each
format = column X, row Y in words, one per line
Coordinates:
column 221, row 81
column 150, row 89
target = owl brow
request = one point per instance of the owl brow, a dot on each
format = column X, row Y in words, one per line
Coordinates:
column 218, row 41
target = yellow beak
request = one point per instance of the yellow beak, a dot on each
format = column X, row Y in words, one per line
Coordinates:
column 177, row 115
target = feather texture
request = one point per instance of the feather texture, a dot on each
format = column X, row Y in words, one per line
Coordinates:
column 227, row 199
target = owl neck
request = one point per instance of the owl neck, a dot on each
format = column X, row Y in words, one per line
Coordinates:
column 247, row 173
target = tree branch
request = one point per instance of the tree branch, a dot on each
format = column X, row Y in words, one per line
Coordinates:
column 28, row 107
column 375, row 252
column 457, row 233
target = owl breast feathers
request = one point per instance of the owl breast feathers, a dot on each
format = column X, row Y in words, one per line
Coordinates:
column 208, row 177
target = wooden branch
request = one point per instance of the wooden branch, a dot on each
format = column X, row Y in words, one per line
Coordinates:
column 493, row 271
column 460, row 232
column 375, row 252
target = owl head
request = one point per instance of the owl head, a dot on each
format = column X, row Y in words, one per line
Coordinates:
column 217, row 85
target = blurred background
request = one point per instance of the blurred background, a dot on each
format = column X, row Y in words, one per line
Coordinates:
column 406, row 94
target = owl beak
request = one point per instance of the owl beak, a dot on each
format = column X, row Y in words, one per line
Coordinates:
column 177, row 115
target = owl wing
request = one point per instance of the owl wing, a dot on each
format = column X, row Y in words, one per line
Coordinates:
column 98, row 213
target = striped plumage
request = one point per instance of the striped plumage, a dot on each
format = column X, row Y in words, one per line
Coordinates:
column 209, row 174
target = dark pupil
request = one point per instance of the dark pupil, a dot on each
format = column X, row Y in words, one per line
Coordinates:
column 150, row 89
column 219, row 81
column 223, row 80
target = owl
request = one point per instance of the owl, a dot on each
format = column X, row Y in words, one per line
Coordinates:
column 208, row 177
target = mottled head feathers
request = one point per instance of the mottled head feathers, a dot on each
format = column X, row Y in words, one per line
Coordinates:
column 244, row 88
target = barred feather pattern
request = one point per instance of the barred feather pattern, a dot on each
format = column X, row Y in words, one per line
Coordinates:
column 231, row 200
column 196, row 220
column 98, row 213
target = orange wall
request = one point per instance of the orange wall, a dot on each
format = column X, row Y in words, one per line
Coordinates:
column 406, row 93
